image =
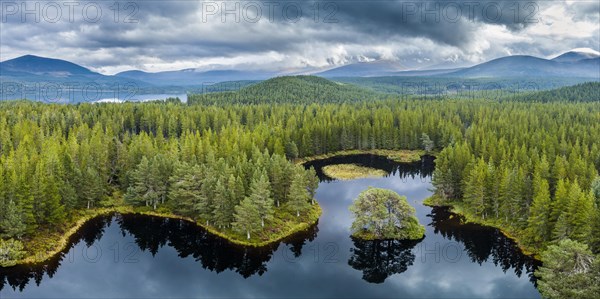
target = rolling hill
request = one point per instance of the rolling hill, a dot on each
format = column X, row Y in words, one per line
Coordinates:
column 529, row 66
column 585, row 92
column 289, row 89
column 193, row 77
column 572, row 67
column 35, row 65
column 30, row 69
column 577, row 55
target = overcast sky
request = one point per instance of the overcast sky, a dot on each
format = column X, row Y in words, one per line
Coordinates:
column 292, row 35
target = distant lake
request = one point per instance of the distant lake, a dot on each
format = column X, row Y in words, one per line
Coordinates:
column 142, row 256
column 144, row 98
column 78, row 96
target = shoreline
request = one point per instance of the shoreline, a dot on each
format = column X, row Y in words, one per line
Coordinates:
column 400, row 156
column 346, row 172
column 62, row 242
column 526, row 250
column 53, row 247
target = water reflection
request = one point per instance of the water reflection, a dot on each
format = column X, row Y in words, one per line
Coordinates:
column 19, row 276
column 482, row 243
column 422, row 169
column 213, row 253
column 153, row 233
column 174, row 258
column 379, row 259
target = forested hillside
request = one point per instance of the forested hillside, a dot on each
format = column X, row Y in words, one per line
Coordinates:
column 456, row 87
column 585, row 92
column 289, row 90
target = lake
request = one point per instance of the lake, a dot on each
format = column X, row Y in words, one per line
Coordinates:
column 142, row 256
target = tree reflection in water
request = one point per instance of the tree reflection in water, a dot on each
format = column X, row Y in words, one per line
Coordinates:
column 483, row 243
column 18, row 277
column 151, row 234
column 422, row 169
column 214, row 253
column 379, row 259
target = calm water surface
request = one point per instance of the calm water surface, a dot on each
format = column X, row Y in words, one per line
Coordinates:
column 140, row 256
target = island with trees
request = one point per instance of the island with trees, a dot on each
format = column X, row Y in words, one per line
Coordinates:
column 525, row 164
column 382, row 214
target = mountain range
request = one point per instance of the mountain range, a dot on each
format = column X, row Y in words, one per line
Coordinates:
column 193, row 77
column 582, row 63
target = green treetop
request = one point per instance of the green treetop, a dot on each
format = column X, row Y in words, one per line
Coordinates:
column 384, row 214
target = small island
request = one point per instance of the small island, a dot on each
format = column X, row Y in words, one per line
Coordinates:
column 384, row 214
column 351, row 172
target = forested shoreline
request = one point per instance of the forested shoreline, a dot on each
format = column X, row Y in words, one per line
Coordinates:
column 529, row 168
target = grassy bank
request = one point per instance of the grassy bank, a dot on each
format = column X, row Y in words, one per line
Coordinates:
column 282, row 227
column 467, row 217
column 351, row 172
column 44, row 245
column 402, row 156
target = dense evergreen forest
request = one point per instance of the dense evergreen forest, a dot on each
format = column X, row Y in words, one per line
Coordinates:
column 289, row 90
column 458, row 87
column 585, row 92
column 530, row 168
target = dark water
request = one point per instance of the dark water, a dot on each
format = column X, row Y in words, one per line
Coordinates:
column 140, row 256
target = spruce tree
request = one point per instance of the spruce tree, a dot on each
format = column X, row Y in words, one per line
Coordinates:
column 222, row 214
column 247, row 218
column 260, row 195
column 312, row 183
column 298, row 197
column 538, row 224
column 474, row 195
column 13, row 225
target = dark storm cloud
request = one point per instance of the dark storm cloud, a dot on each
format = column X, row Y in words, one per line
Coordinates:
column 314, row 32
column 449, row 22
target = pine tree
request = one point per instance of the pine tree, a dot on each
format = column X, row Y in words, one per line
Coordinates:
column 574, row 222
column 298, row 197
column 205, row 207
column 143, row 188
column 595, row 234
column 313, row 183
column 260, row 195
column 561, row 201
column 222, row 213
column 474, row 195
column 427, row 143
column 596, row 191
column 442, row 178
column 569, row 271
column 538, row 224
column 492, row 190
column 291, row 150
column 185, row 192
column 247, row 218
column 13, row 225
column 54, row 211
